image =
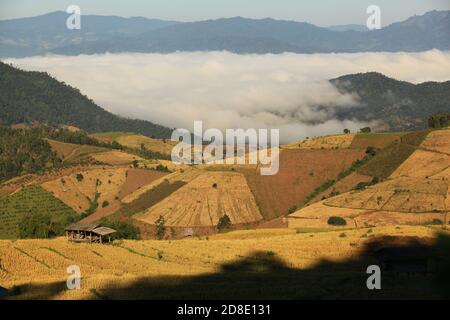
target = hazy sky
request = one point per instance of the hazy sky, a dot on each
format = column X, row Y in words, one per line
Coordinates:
column 320, row 12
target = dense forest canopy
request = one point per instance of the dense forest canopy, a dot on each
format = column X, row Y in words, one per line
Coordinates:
column 440, row 120
column 27, row 97
column 23, row 151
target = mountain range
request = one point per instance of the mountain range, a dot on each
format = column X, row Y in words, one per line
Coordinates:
column 28, row 97
column 99, row 34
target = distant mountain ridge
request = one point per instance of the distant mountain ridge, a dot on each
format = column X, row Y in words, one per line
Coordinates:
column 100, row 34
column 349, row 27
column 39, row 35
column 27, row 97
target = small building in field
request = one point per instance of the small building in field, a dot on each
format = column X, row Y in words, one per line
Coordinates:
column 90, row 233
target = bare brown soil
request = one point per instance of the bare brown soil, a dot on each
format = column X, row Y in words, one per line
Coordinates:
column 300, row 172
column 136, row 179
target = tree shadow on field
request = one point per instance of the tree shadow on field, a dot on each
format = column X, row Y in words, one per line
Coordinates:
column 263, row 275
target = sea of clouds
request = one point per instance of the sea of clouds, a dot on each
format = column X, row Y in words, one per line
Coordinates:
column 227, row 90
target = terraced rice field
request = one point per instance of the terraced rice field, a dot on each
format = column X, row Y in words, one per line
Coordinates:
column 282, row 262
column 204, row 200
column 69, row 152
column 116, row 157
column 340, row 141
column 132, row 140
column 417, row 192
column 77, row 193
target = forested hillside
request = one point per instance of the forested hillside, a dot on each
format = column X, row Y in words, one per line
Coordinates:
column 23, row 151
column 26, row 97
column 398, row 105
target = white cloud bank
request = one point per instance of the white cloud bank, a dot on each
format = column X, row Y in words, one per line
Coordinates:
column 226, row 90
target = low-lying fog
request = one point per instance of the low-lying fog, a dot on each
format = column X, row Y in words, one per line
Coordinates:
column 227, row 90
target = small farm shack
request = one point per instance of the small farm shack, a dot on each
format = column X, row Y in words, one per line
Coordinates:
column 91, row 233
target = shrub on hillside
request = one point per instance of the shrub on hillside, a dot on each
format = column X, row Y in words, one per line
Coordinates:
column 160, row 227
column 162, row 168
column 125, row 229
column 41, row 226
column 224, row 223
column 292, row 209
column 336, row 221
column 371, row 151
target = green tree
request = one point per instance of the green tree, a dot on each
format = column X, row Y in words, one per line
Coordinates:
column 224, row 223
column 336, row 221
column 160, row 227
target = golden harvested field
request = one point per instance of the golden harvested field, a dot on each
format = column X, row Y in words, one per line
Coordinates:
column 186, row 175
column 132, row 140
column 109, row 137
column 438, row 140
column 317, row 214
column 139, row 269
column 403, row 200
column 75, row 193
column 204, row 200
column 417, row 192
column 72, row 152
column 423, row 164
column 157, row 145
column 417, row 195
column 326, row 142
column 116, row 157
column 112, row 184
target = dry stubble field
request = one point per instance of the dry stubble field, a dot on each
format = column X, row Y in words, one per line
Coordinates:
column 165, row 269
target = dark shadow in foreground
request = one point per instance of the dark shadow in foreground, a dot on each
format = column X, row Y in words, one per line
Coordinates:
column 413, row 268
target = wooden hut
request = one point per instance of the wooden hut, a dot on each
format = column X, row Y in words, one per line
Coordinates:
column 91, row 233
